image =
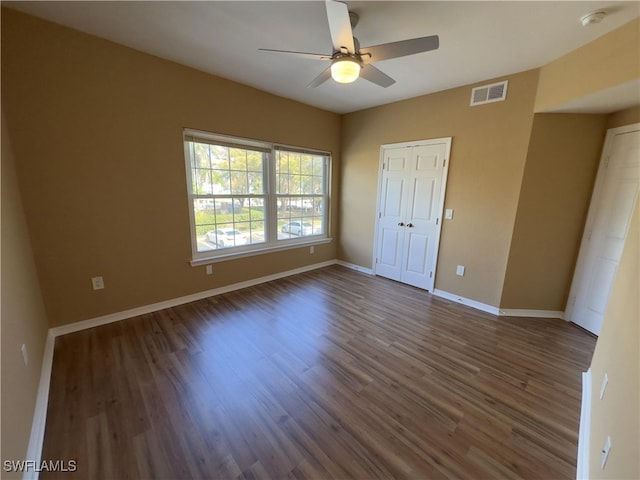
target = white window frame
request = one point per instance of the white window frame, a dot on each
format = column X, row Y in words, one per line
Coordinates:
column 272, row 243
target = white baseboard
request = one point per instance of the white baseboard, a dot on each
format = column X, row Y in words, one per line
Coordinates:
column 582, row 472
column 36, row 438
column 503, row 312
column 134, row 312
column 355, row 267
column 531, row 313
column 467, row 301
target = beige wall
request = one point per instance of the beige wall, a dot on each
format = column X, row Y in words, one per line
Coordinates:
column 562, row 162
column 624, row 117
column 609, row 61
column 23, row 317
column 97, row 135
column 488, row 154
column 616, row 353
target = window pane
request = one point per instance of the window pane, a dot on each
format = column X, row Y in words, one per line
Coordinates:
column 306, row 164
column 239, row 183
column 299, row 174
column 219, row 157
column 255, row 186
column 229, row 222
column 300, row 216
column 220, row 182
column 202, row 155
column 238, row 162
column 201, row 181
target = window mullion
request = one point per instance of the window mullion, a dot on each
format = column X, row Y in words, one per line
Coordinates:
column 272, row 200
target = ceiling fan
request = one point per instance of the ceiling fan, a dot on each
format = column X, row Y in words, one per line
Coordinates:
column 348, row 60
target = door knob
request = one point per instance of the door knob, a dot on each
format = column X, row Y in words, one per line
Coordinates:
column 410, row 225
column 401, row 224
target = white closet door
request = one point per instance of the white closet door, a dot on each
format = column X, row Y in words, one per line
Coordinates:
column 410, row 208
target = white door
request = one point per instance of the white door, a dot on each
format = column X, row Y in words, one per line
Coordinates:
column 410, row 205
column 610, row 212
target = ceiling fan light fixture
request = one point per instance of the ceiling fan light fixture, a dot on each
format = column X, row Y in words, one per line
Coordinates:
column 345, row 69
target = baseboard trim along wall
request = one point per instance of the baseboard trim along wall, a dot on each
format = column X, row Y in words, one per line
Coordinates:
column 501, row 312
column 36, row 438
column 466, row 301
column 532, row 313
column 355, row 267
column 582, row 472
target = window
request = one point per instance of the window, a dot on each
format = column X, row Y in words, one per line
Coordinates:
column 248, row 197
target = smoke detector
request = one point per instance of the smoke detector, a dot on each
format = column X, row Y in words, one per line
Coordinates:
column 591, row 18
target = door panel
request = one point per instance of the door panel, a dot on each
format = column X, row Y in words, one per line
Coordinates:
column 426, row 161
column 397, row 161
column 393, row 197
column 415, row 272
column 609, row 218
column 422, row 203
column 390, row 249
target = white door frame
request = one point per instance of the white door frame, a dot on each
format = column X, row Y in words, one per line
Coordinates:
column 445, row 172
column 577, row 280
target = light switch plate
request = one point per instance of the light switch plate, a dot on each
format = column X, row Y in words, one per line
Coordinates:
column 460, row 271
column 448, row 213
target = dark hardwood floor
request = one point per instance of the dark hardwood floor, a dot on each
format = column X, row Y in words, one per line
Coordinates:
column 326, row 374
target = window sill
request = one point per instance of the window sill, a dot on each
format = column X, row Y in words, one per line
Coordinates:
column 261, row 251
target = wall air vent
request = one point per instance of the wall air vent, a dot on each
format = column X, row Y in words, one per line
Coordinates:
column 496, row 92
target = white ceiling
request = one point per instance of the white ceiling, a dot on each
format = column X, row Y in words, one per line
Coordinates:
column 478, row 40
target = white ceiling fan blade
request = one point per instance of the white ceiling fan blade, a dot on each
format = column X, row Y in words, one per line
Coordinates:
column 402, row 48
column 371, row 73
column 315, row 56
column 320, row 79
column 340, row 26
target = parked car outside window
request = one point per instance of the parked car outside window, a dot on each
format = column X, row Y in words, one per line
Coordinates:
column 227, row 237
column 298, row 228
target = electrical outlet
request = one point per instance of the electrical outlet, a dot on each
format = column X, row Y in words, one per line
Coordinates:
column 97, row 283
column 209, row 269
column 312, row 249
column 25, row 356
column 460, row 271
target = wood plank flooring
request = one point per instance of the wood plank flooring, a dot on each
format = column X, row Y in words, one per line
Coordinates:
column 326, row 374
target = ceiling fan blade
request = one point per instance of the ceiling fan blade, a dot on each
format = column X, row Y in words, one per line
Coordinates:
column 316, row 56
column 340, row 26
column 371, row 73
column 402, row 48
column 320, row 79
